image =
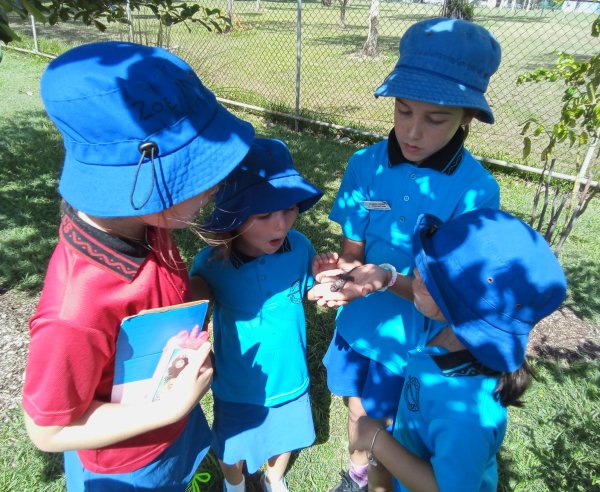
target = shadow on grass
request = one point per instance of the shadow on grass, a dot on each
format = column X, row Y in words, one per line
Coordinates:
column 584, row 282
column 29, row 203
column 562, row 450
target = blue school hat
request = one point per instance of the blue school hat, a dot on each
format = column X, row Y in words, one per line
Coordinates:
column 447, row 62
column 141, row 132
column 265, row 181
column 493, row 277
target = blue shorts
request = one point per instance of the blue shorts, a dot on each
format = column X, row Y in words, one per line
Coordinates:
column 352, row 374
column 171, row 471
column 254, row 433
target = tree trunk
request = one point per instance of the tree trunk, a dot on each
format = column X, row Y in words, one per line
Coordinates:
column 370, row 46
column 343, row 5
column 230, row 9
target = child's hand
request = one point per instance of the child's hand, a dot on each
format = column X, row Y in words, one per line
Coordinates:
column 362, row 437
column 187, row 339
column 190, row 385
column 337, row 287
column 325, row 261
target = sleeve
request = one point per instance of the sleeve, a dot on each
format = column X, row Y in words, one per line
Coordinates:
column 463, row 454
column 311, row 253
column 347, row 210
column 65, row 371
column 482, row 192
column 199, row 263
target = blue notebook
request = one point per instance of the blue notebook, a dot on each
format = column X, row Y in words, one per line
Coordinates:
column 148, row 355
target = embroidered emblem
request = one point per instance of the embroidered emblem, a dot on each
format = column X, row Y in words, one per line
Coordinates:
column 411, row 393
column 295, row 293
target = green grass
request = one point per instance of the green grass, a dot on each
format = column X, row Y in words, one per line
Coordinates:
column 552, row 444
column 256, row 62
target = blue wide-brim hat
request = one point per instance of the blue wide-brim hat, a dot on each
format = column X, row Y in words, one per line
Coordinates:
column 140, row 130
column 493, row 278
column 447, row 62
column 265, row 181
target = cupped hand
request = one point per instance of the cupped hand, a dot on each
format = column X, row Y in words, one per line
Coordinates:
column 190, row 385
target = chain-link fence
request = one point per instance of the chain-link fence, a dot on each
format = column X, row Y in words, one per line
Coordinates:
column 311, row 59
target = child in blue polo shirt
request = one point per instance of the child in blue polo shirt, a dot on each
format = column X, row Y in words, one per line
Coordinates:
column 257, row 276
column 488, row 278
column 141, row 134
column 438, row 87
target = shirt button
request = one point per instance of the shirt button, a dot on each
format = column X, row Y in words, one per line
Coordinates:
column 401, row 219
column 406, row 198
column 413, row 176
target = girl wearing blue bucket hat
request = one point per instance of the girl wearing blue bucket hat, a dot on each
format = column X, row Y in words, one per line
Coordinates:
column 486, row 294
column 257, row 276
column 145, row 146
column 438, row 87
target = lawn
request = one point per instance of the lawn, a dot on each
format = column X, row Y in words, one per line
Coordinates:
column 256, row 62
column 553, row 443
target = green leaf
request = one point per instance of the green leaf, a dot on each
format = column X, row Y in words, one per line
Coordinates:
column 526, row 147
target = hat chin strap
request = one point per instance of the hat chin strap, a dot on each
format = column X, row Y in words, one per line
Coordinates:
column 144, row 147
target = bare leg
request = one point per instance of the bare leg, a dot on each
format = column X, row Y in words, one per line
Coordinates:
column 355, row 411
column 233, row 473
column 276, row 466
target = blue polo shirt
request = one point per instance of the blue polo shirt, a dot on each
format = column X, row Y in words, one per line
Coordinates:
column 259, row 326
column 378, row 202
column 449, row 416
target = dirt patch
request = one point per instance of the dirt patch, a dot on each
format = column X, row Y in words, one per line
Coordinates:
column 561, row 335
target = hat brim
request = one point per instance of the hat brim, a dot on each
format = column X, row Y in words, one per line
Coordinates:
column 190, row 170
column 507, row 352
column 261, row 198
column 430, row 88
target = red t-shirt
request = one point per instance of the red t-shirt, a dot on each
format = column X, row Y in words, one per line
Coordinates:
column 93, row 281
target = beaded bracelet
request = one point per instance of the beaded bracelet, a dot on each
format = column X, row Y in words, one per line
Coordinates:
column 393, row 271
column 370, row 456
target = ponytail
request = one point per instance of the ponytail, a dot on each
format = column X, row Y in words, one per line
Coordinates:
column 512, row 385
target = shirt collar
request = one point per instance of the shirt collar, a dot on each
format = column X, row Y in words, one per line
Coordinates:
column 239, row 259
column 445, row 160
column 461, row 363
column 121, row 256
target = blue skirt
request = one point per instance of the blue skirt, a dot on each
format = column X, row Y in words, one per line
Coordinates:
column 171, row 471
column 254, row 433
column 350, row 373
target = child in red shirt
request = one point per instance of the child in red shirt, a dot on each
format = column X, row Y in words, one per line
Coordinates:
column 146, row 145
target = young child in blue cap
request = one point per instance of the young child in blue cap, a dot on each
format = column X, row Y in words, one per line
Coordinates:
column 438, row 87
column 257, row 277
column 146, row 144
column 488, row 278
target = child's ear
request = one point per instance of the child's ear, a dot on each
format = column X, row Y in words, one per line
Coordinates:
column 468, row 117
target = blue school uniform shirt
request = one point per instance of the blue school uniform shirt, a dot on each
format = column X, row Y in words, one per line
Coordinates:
column 259, row 327
column 449, row 416
column 383, row 326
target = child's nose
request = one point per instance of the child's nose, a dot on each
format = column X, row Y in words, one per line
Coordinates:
column 278, row 220
column 415, row 131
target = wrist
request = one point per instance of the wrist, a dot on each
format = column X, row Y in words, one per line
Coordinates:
column 392, row 278
column 370, row 454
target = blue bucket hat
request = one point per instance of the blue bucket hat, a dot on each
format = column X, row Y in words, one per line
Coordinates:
column 265, row 181
column 493, row 277
column 141, row 132
column 447, row 62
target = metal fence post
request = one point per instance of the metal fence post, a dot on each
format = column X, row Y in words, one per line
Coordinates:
column 34, row 34
column 298, row 61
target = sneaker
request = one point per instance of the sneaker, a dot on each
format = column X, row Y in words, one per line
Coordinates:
column 347, row 484
column 281, row 486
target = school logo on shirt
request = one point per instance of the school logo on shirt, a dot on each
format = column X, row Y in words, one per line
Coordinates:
column 295, row 294
column 412, row 388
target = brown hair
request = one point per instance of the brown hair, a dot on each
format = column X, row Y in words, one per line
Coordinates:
column 512, row 385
